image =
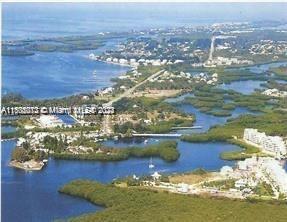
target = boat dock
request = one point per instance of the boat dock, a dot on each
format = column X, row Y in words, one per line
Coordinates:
column 186, row 127
column 157, row 135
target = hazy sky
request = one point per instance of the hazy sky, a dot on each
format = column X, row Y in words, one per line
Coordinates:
column 35, row 19
column 201, row 10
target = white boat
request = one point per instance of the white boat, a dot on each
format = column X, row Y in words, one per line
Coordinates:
column 146, row 141
column 150, row 164
column 92, row 56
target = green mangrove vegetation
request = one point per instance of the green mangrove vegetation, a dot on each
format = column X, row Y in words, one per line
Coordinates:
column 280, row 72
column 167, row 150
column 163, row 116
column 24, row 154
column 28, row 47
column 246, row 152
column 220, row 102
column 273, row 123
column 230, row 75
column 136, row 204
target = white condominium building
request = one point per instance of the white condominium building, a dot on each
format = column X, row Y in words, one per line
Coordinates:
column 265, row 169
column 276, row 173
column 274, row 144
column 50, row 121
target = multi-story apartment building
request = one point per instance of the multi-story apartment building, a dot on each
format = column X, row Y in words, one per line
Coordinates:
column 274, row 144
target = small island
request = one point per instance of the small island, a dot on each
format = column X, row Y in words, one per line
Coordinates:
column 27, row 159
column 27, row 165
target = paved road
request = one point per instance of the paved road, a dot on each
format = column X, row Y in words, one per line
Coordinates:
column 128, row 92
column 107, row 127
column 211, row 48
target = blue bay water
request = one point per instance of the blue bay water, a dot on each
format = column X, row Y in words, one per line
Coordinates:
column 34, row 196
column 249, row 86
column 244, row 87
column 56, row 74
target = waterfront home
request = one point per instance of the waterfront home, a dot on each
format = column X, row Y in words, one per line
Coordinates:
column 123, row 61
column 106, row 91
column 124, row 77
column 224, row 61
column 275, row 93
column 85, row 97
column 42, row 149
column 79, row 149
column 20, row 141
column 156, row 176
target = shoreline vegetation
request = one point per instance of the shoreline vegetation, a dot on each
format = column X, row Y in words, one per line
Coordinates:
column 221, row 103
column 247, row 151
column 280, row 72
column 165, row 150
column 26, row 159
column 27, row 165
column 164, row 206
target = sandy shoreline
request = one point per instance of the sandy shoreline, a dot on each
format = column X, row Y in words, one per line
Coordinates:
column 28, row 165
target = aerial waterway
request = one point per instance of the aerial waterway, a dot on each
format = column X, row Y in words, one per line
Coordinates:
column 33, row 196
column 32, row 193
column 38, row 190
